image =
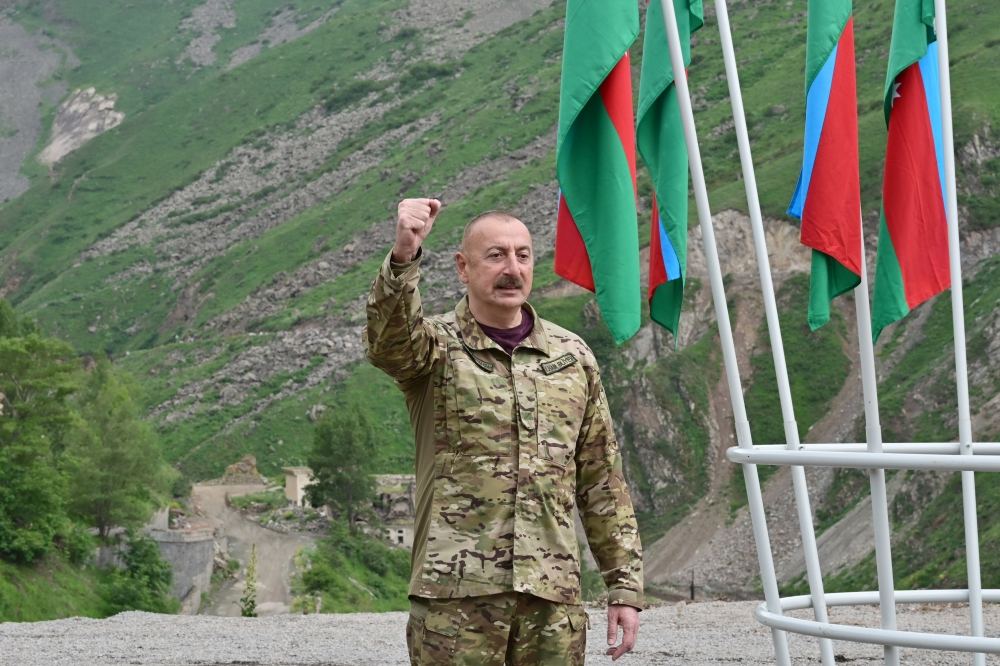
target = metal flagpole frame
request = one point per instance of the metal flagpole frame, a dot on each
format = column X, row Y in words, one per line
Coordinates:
column 780, row 455
column 756, row 502
column 807, row 531
column 965, row 456
column 912, row 639
column 958, row 324
column 876, row 476
column 937, row 456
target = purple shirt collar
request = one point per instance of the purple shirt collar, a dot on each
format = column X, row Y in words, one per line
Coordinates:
column 509, row 338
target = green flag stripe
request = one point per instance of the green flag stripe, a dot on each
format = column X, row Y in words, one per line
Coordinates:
column 594, row 174
column 889, row 300
column 828, row 280
column 657, row 72
column 912, row 31
column 598, row 33
column 660, row 141
column 827, row 19
column 598, row 198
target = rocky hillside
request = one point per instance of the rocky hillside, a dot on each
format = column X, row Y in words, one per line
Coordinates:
column 210, row 186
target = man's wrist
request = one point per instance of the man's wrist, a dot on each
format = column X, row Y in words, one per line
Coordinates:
column 624, row 597
column 404, row 256
column 394, row 270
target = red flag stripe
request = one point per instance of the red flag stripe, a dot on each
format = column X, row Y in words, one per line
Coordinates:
column 657, row 273
column 831, row 217
column 616, row 92
column 571, row 259
column 911, row 193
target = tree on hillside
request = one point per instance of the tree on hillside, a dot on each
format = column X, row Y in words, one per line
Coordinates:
column 341, row 462
column 116, row 469
column 9, row 325
column 37, row 377
column 143, row 583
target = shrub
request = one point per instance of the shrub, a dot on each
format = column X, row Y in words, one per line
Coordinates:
column 423, row 71
column 144, row 583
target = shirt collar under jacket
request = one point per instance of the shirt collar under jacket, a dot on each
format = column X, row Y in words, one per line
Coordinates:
column 474, row 337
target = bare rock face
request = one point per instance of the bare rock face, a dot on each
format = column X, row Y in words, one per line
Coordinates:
column 471, row 22
column 243, row 471
column 205, row 22
column 80, row 118
column 284, row 28
column 27, row 64
column 314, row 414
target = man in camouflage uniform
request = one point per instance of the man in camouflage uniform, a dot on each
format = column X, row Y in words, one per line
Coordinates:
column 512, row 430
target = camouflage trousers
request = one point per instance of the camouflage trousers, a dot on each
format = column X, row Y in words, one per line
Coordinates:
column 511, row 628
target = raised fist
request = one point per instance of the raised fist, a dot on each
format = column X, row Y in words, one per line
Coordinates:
column 414, row 219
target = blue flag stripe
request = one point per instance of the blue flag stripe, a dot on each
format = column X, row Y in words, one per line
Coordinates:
column 671, row 264
column 816, row 102
column 932, row 92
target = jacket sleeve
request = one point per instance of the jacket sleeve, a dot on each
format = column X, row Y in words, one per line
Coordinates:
column 604, row 502
column 397, row 340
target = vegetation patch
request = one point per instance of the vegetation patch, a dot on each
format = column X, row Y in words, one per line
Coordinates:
column 817, row 368
column 351, row 572
column 680, row 382
column 50, row 589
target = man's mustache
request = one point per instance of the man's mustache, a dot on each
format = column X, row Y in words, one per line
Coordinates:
column 508, row 282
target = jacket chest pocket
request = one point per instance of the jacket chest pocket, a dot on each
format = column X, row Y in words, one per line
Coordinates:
column 482, row 404
column 562, row 401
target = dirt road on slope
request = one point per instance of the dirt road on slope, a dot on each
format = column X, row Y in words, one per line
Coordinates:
column 275, row 552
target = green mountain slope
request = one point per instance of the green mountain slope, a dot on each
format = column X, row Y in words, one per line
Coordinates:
column 218, row 243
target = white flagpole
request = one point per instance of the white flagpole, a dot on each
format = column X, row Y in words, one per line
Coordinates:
column 958, row 323
column 756, row 504
column 814, row 574
column 873, row 431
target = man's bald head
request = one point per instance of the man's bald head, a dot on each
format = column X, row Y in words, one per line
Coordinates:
column 496, row 264
column 499, row 215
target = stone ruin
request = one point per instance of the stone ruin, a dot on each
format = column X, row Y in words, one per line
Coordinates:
column 243, row 472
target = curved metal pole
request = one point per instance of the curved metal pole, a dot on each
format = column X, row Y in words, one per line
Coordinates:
column 873, row 432
column 958, row 324
column 814, row 574
column 858, row 460
column 756, row 503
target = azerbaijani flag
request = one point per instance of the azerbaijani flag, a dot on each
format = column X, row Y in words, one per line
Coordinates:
column 828, row 196
column 912, row 261
column 660, row 139
column 597, row 237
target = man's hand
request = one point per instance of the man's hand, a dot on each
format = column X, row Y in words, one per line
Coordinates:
column 414, row 220
column 628, row 618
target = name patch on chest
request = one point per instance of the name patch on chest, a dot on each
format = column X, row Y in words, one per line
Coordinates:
column 486, row 366
column 554, row 366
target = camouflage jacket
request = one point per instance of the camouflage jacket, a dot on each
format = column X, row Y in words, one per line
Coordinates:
column 505, row 446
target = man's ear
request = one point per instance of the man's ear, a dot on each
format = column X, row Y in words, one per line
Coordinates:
column 461, row 265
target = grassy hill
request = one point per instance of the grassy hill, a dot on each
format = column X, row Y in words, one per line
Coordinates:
column 53, row 589
column 218, row 243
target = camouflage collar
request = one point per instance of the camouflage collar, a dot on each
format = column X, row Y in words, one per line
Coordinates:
column 474, row 338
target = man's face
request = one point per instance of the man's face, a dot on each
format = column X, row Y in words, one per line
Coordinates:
column 496, row 264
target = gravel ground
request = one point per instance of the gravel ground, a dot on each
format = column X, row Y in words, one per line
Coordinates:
column 691, row 634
